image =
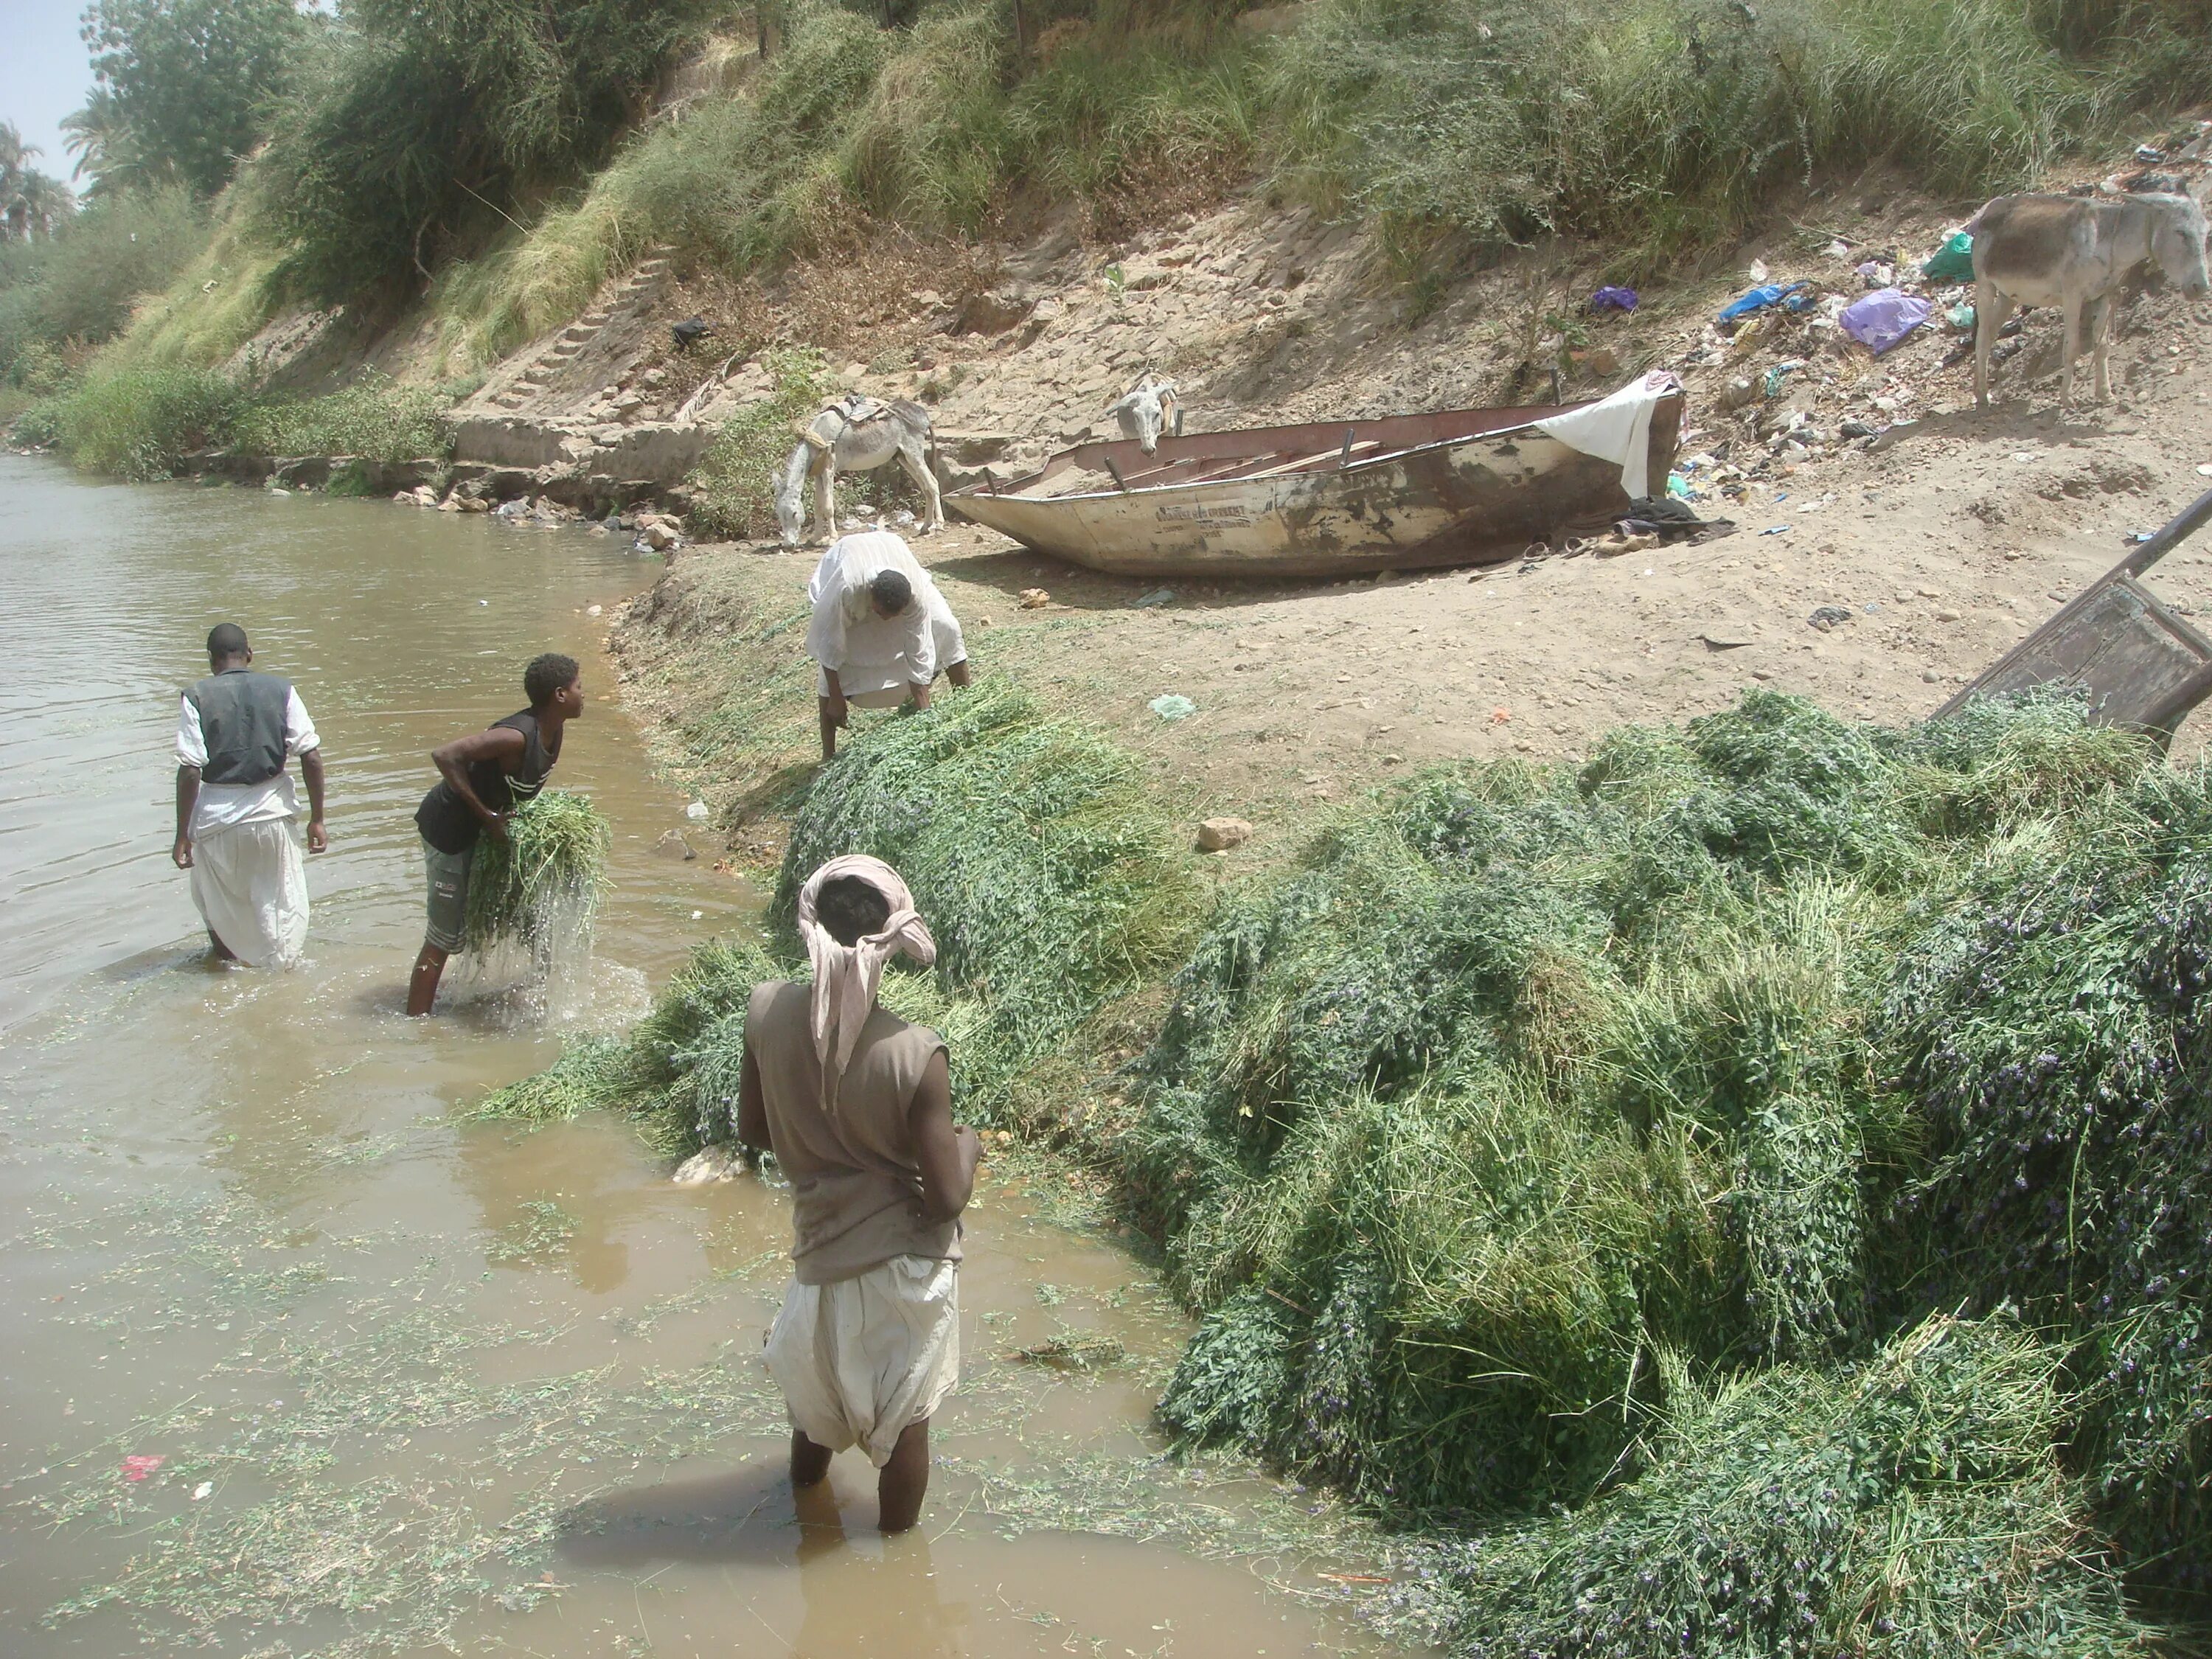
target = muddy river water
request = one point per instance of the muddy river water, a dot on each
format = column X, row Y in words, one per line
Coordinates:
column 293, row 1361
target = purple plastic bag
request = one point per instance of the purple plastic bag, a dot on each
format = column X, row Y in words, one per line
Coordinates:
column 1614, row 299
column 1882, row 319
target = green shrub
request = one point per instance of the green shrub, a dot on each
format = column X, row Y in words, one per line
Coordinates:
column 75, row 288
column 733, row 488
column 1665, row 125
column 139, row 423
column 938, row 130
column 424, row 125
column 375, row 417
column 37, row 427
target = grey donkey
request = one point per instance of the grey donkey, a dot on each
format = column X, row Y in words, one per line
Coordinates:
column 1146, row 409
column 854, row 435
column 2073, row 253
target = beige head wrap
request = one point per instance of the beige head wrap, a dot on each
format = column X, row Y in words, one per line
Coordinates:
column 846, row 977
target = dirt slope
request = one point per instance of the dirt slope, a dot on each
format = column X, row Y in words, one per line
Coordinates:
column 1944, row 546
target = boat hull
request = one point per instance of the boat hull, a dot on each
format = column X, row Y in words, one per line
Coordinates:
column 1475, row 500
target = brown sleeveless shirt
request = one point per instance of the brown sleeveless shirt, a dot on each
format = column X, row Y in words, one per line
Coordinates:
column 856, row 1188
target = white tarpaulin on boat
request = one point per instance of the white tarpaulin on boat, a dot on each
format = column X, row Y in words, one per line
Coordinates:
column 1618, row 429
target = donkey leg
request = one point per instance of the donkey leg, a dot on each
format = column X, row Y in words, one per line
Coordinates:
column 2100, row 344
column 825, row 497
column 1990, row 310
column 2074, row 306
column 915, row 459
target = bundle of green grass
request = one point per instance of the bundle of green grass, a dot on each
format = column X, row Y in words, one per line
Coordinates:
column 1051, row 882
column 540, row 887
column 1910, row 1504
column 1745, row 1045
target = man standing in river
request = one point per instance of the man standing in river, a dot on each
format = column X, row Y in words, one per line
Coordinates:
column 857, row 1106
column 237, row 816
column 881, row 632
column 481, row 778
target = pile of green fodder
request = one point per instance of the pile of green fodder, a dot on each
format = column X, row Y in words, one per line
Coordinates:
column 539, row 888
column 1912, row 1503
column 2052, row 1028
column 1745, row 1045
column 1050, row 880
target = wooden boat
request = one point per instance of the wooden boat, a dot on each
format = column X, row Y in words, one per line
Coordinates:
column 2136, row 665
column 1464, row 486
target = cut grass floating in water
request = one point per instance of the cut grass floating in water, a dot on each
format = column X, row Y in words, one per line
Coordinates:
column 541, row 887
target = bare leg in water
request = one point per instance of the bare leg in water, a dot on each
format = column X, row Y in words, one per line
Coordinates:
column 423, row 991
column 901, row 1484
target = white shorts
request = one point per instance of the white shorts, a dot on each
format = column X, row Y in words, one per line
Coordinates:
column 861, row 1361
column 250, row 882
column 951, row 652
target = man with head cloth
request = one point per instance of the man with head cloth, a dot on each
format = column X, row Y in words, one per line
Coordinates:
column 857, row 1106
column 238, row 828
column 881, row 632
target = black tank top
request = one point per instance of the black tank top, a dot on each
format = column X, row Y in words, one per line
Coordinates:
column 444, row 818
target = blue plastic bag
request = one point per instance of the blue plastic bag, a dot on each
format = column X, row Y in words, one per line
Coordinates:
column 1758, row 299
column 1614, row 299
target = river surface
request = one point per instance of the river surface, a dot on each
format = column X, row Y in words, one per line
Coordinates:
column 295, row 1362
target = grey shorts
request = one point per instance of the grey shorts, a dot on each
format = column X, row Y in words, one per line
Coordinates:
column 449, row 896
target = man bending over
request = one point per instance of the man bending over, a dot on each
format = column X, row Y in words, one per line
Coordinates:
column 857, row 1106
column 481, row 778
column 881, row 632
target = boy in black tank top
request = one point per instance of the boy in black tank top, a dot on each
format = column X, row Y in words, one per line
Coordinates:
column 481, row 778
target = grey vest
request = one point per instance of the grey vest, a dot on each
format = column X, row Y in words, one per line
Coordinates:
column 242, row 722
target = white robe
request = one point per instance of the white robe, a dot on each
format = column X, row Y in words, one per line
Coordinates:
column 876, row 660
column 250, row 882
column 249, row 872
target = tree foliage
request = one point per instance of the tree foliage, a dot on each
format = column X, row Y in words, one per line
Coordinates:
column 429, row 120
column 184, row 87
column 70, row 291
column 31, row 203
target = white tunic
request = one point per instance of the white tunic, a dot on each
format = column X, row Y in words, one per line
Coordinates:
column 249, row 875
column 875, row 656
column 222, row 805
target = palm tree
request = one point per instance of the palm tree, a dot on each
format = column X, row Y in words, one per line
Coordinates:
column 14, row 153
column 101, row 142
column 36, row 207
column 31, row 203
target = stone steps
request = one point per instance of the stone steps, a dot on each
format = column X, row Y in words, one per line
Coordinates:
column 569, row 343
